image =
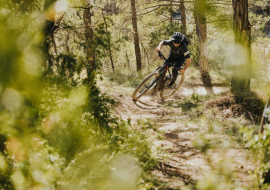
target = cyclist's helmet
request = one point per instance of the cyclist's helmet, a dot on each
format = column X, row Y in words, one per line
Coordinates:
column 177, row 36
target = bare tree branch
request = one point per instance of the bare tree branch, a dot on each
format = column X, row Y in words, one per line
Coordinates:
column 148, row 11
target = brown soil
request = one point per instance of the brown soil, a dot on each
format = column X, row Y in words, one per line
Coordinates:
column 184, row 163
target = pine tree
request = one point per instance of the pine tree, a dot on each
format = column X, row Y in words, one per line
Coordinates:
column 242, row 36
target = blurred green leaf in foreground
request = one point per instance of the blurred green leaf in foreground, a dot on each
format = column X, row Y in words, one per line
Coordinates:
column 54, row 133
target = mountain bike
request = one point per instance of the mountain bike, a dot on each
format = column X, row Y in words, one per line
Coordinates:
column 158, row 81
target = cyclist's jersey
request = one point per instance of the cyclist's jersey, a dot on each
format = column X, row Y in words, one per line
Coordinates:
column 180, row 51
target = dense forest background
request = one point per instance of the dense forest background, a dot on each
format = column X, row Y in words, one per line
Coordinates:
column 60, row 60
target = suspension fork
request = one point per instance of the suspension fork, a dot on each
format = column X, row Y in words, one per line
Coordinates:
column 161, row 80
column 169, row 72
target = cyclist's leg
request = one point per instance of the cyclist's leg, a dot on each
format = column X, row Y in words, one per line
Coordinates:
column 178, row 64
column 170, row 60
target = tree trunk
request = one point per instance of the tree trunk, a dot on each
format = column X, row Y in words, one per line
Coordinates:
column 146, row 56
column 49, row 29
column 171, row 13
column 127, row 56
column 183, row 17
column 201, row 31
column 106, row 29
column 67, row 39
column 113, row 6
column 90, row 51
column 136, row 36
column 242, row 36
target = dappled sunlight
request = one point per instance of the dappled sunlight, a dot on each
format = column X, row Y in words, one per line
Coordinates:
column 236, row 55
column 69, row 117
column 32, row 59
column 125, row 171
column 200, row 90
column 12, row 100
column 61, row 5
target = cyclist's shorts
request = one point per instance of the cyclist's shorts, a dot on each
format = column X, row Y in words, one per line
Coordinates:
column 178, row 61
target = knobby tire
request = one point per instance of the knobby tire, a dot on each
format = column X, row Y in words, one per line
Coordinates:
column 135, row 96
column 162, row 93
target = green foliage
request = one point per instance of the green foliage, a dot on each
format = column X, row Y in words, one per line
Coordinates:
column 57, row 130
column 195, row 98
column 66, row 64
column 234, row 132
column 189, row 104
column 259, row 145
column 164, row 33
column 127, row 78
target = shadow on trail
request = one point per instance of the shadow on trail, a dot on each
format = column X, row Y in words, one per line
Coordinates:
column 171, row 170
column 194, row 85
column 150, row 107
column 182, row 144
column 209, row 90
column 187, row 105
column 184, row 158
column 190, row 88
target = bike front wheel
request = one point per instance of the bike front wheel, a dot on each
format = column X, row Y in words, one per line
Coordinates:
column 148, row 83
column 169, row 91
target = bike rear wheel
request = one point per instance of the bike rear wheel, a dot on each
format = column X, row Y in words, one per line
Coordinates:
column 169, row 91
column 148, row 83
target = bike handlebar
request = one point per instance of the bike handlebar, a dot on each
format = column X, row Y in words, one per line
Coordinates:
column 160, row 55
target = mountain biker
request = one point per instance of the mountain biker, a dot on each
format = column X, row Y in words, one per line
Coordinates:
column 178, row 54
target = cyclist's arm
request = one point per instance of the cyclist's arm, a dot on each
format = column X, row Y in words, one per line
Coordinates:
column 159, row 46
column 165, row 42
column 187, row 65
column 187, row 56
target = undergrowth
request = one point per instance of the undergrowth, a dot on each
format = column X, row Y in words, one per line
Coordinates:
column 126, row 77
column 224, row 120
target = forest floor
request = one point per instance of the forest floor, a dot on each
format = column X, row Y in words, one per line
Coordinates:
column 180, row 121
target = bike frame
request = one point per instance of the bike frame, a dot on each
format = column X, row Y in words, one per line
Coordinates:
column 162, row 76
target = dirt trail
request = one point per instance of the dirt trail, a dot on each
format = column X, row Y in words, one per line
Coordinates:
column 184, row 163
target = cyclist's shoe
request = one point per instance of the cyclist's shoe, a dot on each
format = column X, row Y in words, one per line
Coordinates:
column 170, row 85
